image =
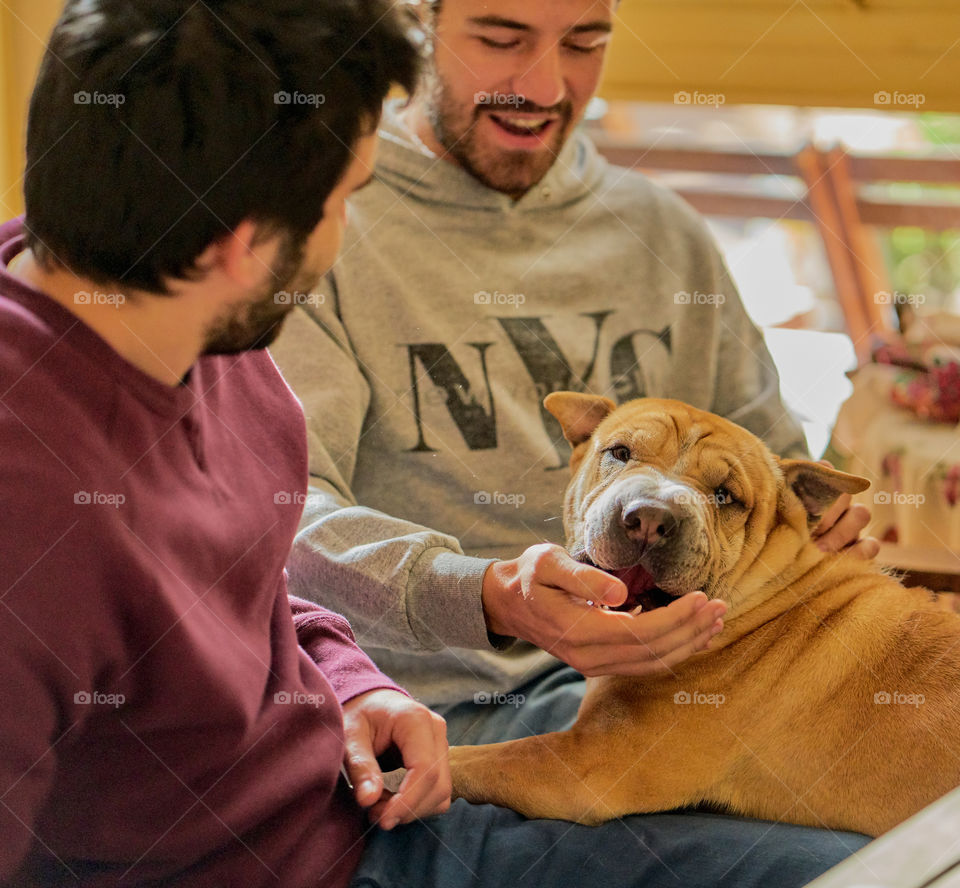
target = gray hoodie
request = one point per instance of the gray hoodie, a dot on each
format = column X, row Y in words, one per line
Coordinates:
column 422, row 361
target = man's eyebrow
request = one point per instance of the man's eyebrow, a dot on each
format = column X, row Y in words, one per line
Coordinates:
column 497, row 21
column 599, row 25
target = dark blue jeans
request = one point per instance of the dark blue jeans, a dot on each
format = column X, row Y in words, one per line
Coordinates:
column 488, row 847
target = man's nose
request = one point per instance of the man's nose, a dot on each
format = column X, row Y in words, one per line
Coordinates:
column 542, row 82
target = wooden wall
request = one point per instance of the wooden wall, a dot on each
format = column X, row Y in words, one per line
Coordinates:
column 791, row 52
column 799, row 52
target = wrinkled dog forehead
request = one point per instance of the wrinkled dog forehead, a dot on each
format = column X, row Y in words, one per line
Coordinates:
column 676, row 438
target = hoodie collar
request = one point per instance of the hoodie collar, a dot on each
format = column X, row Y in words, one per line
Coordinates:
column 406, row 165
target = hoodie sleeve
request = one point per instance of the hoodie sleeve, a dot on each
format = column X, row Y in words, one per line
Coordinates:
column 402, row 586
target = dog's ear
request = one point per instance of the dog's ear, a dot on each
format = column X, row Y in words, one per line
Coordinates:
column 817, row 485
column 578, row 414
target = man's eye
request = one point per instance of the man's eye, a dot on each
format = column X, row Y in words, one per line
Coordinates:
column 498, row 44
column 620, row 453
column 576, row 47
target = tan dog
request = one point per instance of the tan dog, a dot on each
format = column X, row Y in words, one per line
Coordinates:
column 831, row 698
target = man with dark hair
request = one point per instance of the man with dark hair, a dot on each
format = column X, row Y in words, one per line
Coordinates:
column 497, row 258
column 169, row 715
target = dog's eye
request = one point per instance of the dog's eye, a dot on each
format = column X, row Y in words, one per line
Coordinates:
column 723, row 496
column 620, row 452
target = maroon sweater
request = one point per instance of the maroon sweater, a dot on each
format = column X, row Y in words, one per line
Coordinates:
column 163, row 719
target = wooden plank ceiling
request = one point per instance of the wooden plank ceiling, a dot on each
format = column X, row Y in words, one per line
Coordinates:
column 847, row 53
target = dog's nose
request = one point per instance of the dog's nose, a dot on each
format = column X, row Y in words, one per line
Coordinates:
column 647, row 521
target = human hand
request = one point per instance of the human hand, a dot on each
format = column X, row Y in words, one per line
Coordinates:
column 544, row 596
column 841, row 524
column 379, row 720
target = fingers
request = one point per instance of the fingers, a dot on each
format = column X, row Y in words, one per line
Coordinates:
column 669, row 626
column 832, row 515
column 846, row 528
column 383, row 720
column 552, row 566
column 650, row 651
column 361, row 763
column 425, row 790
column 867, row 548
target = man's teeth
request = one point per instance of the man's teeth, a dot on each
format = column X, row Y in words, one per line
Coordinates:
column 526, row 122
column 529, row 124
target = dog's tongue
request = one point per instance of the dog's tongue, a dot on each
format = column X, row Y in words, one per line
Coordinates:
column 635, row 578
column 639, row 583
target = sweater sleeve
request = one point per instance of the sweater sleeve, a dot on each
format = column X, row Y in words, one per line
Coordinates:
column 329, row 642
column 401, row 585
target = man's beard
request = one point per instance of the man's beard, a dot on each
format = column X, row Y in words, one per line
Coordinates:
column 255, row 324
column 510, row 172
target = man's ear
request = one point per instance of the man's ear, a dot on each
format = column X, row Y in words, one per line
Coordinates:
column 245, row 255
column 818, row 486
column 578, row 414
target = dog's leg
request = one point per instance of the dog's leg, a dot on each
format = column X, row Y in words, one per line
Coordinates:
column 560, row 776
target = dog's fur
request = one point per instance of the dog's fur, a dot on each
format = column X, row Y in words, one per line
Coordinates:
column 831, row 698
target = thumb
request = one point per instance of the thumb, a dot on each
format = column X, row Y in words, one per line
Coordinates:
column 593, row 584
column 361, row 764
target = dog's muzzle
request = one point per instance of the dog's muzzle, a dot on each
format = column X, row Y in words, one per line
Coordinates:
column 647, row 531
